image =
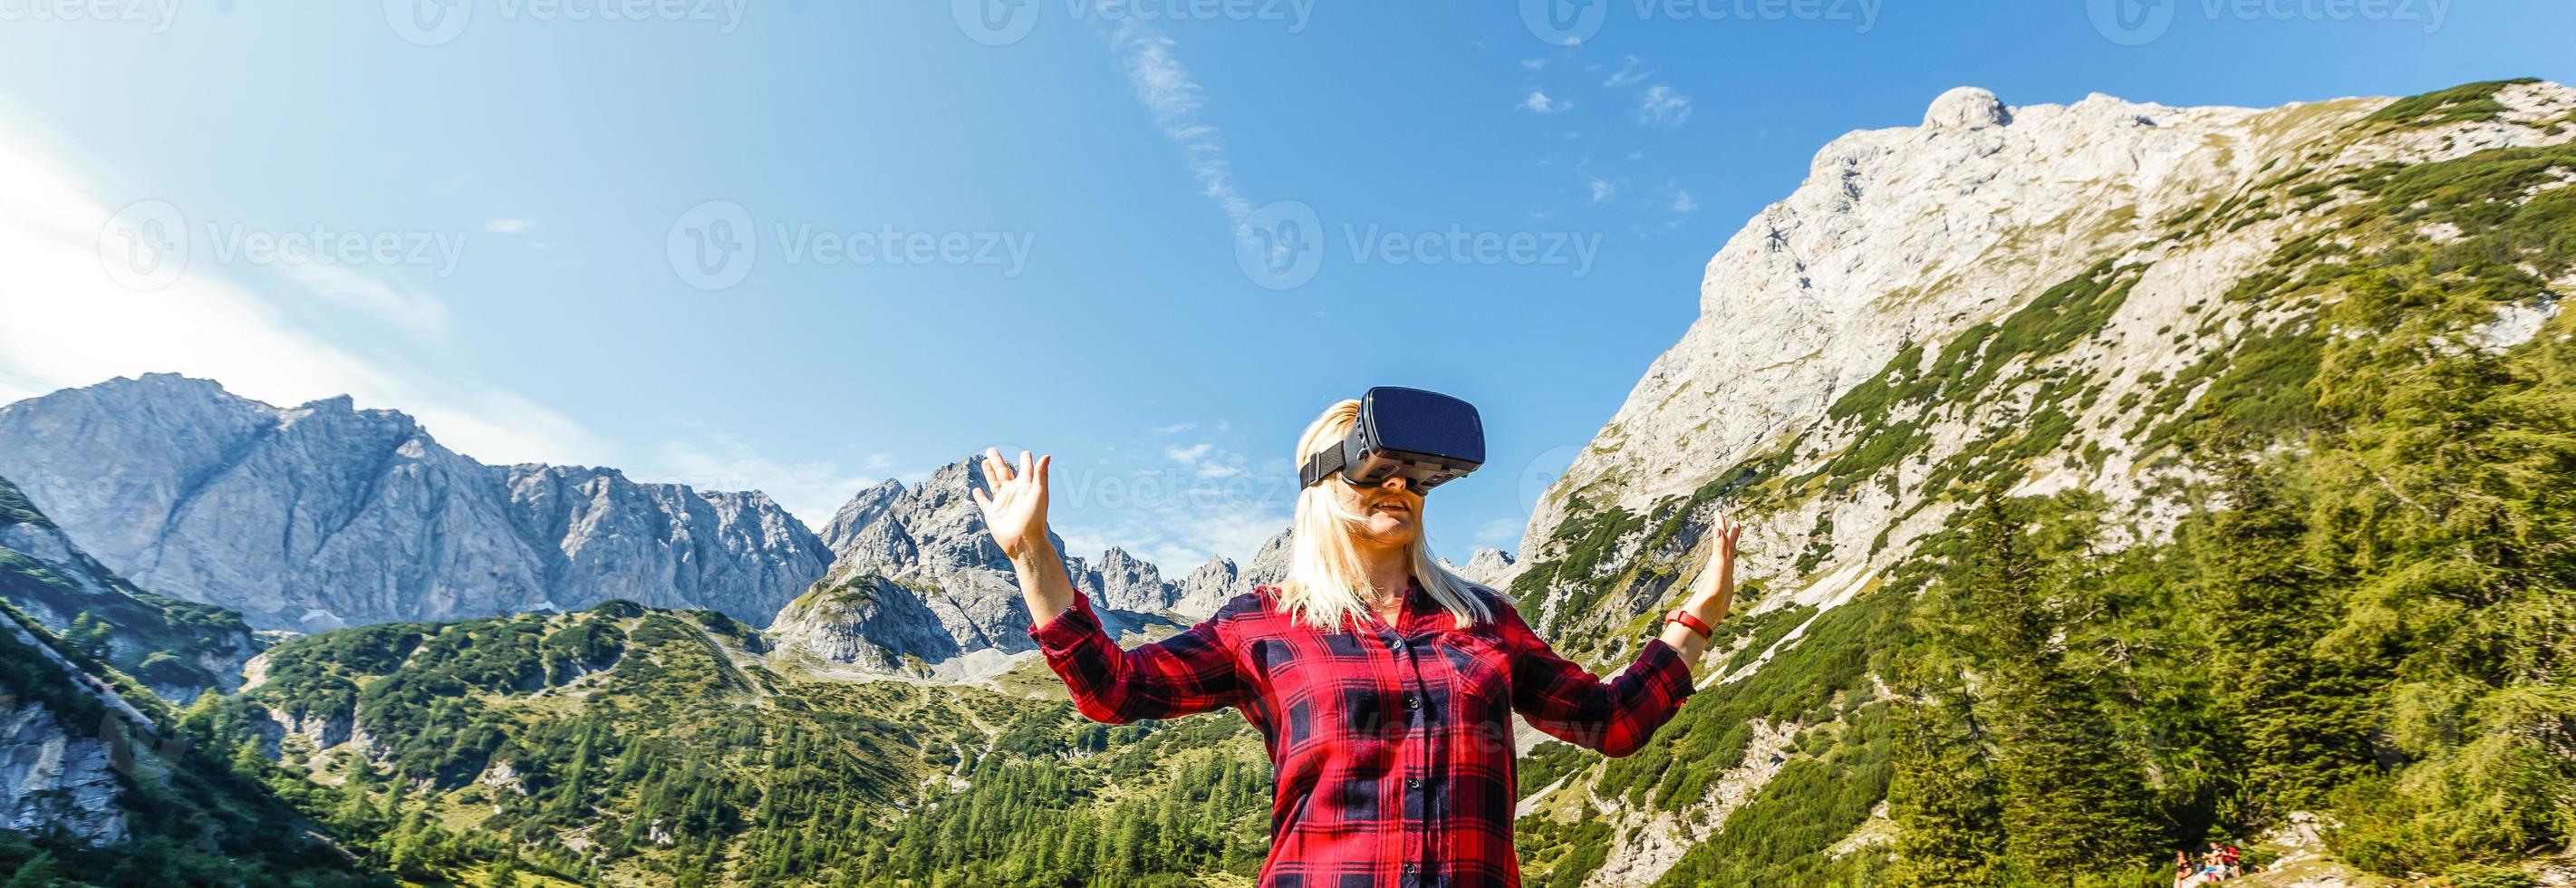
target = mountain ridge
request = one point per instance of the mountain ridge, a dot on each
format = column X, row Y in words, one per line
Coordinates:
column 290, row 514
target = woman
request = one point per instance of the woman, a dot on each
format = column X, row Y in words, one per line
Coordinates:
column 1380, row 682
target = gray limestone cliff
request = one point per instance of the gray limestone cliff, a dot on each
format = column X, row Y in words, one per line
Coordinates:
column 325, row 515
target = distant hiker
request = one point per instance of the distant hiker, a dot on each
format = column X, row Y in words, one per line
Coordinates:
column 2214, row 864
column 1381, row 683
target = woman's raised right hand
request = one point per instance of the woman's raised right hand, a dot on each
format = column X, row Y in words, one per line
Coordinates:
column 1015, row 510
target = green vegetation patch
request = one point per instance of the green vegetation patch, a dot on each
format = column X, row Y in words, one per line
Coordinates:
column 2464, row 103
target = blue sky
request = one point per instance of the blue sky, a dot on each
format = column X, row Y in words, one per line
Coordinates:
column 1057, row 234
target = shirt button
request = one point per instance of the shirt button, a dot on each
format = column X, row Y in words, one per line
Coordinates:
column 1412, row 702
column 1413, row 783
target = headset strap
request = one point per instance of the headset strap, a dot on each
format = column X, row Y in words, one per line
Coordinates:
column 1320, row 465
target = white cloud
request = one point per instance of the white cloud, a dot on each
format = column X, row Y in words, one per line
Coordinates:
column 69, row 324
column 1166, row 88
column 1175, row 503
column 1208, row 461
column 1539, row 102
column 508, row 226
column 1659, row 105
column 1175, row 542
column 1683, row 202
column 1602, row 190
column 1499, row 532
column 413, row 310
column 1631, row 72
column 1533, row 64
column 1175, row 428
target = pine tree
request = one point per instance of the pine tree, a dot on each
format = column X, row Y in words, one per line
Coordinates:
column 2071, row 799
column 2302, row 720
column 505, row 871
column 41, row 871
column 1948, row 829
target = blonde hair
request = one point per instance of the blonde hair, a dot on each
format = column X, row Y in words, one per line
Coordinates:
column 1326, row 583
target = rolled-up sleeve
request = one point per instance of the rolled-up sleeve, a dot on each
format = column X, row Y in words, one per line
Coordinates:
column 1568, row 702
column 1188, row 673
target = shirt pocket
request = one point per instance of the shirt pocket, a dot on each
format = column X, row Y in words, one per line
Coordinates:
column 1275, row 664
column 1480, row 675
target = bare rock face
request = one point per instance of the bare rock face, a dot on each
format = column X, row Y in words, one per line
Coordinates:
column 1129, row 583
column 865, row 620
column 71, row 593
column 861, row 511
column 1966, row 107
column 57, row 776
column 1206, row 588
column 662, row 545
column 1918, row 234
column 1486, row 568
column 1269, row 566
column 916, row 572
column 325, row 515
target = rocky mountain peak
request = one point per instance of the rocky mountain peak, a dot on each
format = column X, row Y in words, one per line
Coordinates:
column 1920, row 241
column 929, row 539
column 325, row 515
column 1966, row 107
column 1917, row 234
column 1488, row 567
column 859, row 512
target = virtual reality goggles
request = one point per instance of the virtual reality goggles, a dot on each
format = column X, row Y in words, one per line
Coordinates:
column 1427, row 437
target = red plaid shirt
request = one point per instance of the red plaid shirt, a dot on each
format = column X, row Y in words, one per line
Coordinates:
column 1391, row 747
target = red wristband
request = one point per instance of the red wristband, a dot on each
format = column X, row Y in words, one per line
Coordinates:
column 1689, row 620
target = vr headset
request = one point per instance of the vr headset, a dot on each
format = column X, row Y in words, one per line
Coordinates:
column 1427, row 437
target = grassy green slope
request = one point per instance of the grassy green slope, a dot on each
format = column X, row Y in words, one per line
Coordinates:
column 637, row 746
column 2406, row 684
column 163, row 641
column 192, row 818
